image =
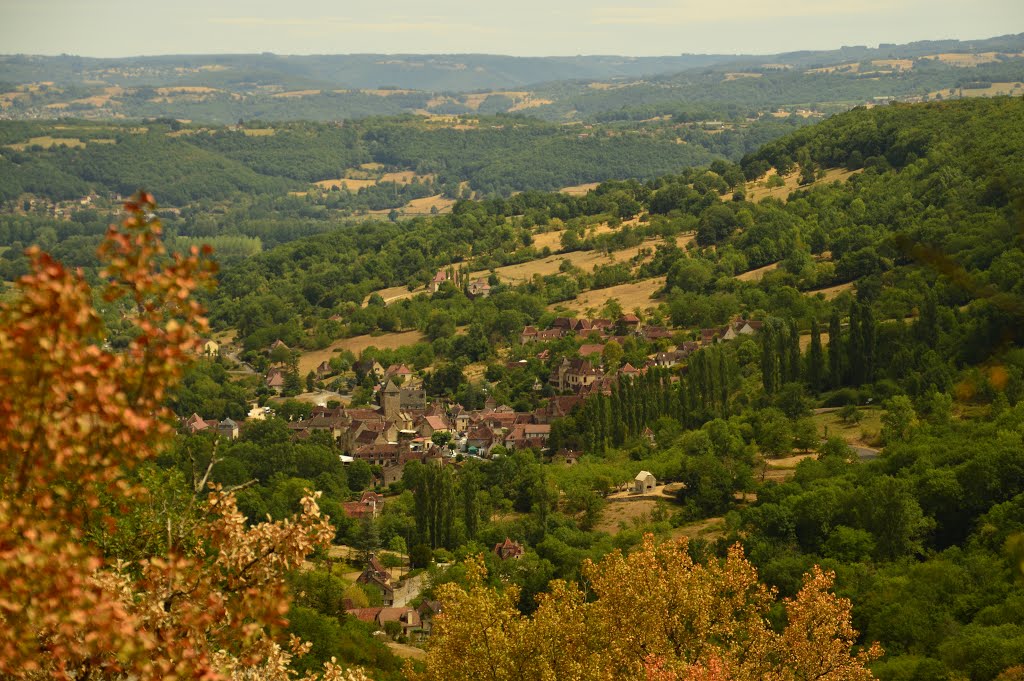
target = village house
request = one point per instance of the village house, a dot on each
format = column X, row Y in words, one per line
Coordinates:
column 228, row 428
column 275, row 379
column 478, row 288
column 573, row 374
column 644, row 482
column 528, row 436
column 428, row 610
column 323, row 370
column 370, row 504
column 508, row 549
column 210, row 348
column 377, row 576
column 197, row 424
column 368, row 367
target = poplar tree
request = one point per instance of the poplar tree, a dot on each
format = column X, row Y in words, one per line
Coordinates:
column 815, row 359
column 769, row 359
column 794, row 351
column 835, row 350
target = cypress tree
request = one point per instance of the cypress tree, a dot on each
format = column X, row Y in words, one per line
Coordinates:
column 868, row 340
column 835, row 350
column 794, row 351
column 815, row 359
column 854, row 347
column 769, row 359
column 723, row 382
column 782, row 350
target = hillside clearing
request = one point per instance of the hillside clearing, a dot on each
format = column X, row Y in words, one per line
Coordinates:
column 632, row 296
column 756, row 274
column 308, row 361
column 831, row 292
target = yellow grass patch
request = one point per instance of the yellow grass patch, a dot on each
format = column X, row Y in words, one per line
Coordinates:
column 632, row 296
column 993, row 90
column 580, row 189
column 895, row 64
column 757, row 274
column 46, row 142
column 102, row 140
column 394, row 293
column 424, row 205
column 962, row 60
column 259, row 132
column 626, row 512
column 738, row 75
column 384, row 93
column 402, row 177
column 851, row 67
column 372, row 166
column 832, row 291
column 345, row 183
column 296, row 93
column 185, row 90
column 758, row 189
column 585, row 260
column 829, row 424
column 386, row 341
column 529, row 103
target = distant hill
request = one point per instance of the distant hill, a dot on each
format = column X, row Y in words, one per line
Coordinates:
column 225, row 88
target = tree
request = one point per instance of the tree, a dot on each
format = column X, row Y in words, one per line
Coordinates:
column 652, row 614
column 74, row 434
column 611, row 356
column 835, row 350
column 898, row 420
column 815, row 360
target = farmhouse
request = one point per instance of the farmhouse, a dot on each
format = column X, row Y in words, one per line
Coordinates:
column 508, row 549
column 644, row 482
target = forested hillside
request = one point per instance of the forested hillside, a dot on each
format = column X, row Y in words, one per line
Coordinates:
column 826, row 369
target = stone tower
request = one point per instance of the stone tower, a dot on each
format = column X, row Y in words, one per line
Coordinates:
column 391, row 401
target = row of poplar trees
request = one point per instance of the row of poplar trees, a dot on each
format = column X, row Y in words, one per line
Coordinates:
column 704, row 391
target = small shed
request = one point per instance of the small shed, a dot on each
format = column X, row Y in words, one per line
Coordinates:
column 644, row 482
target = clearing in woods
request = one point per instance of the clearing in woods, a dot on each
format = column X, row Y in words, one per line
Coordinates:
column 758, row 189
column 832, row 291
column 580, row 189
column 356, row 344
column 632, row 296
column 350, row 184
column 756, row 274
column 46, row 142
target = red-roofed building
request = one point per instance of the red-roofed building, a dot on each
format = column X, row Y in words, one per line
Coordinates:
column 508, row 549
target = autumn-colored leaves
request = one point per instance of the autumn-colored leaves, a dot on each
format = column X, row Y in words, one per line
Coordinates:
column 76, row 419
column 653, row 614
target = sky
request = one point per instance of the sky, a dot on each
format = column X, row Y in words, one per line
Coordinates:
column 115, row 28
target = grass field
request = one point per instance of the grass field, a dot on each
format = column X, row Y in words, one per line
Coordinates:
column 756, row 274
column 994, row 90
column 580, row 189
column 46, row 142
column 626, row 512
column 387, row 341
column 832, row 291
column 296, row 93
column 864, row 433
column 758, row 189
column 345, row 183
column 631, row 296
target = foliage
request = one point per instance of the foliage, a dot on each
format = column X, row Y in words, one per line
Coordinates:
column 654, row 609
column 80, row 422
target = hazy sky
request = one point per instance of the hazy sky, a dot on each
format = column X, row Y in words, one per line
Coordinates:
column 104, row 28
